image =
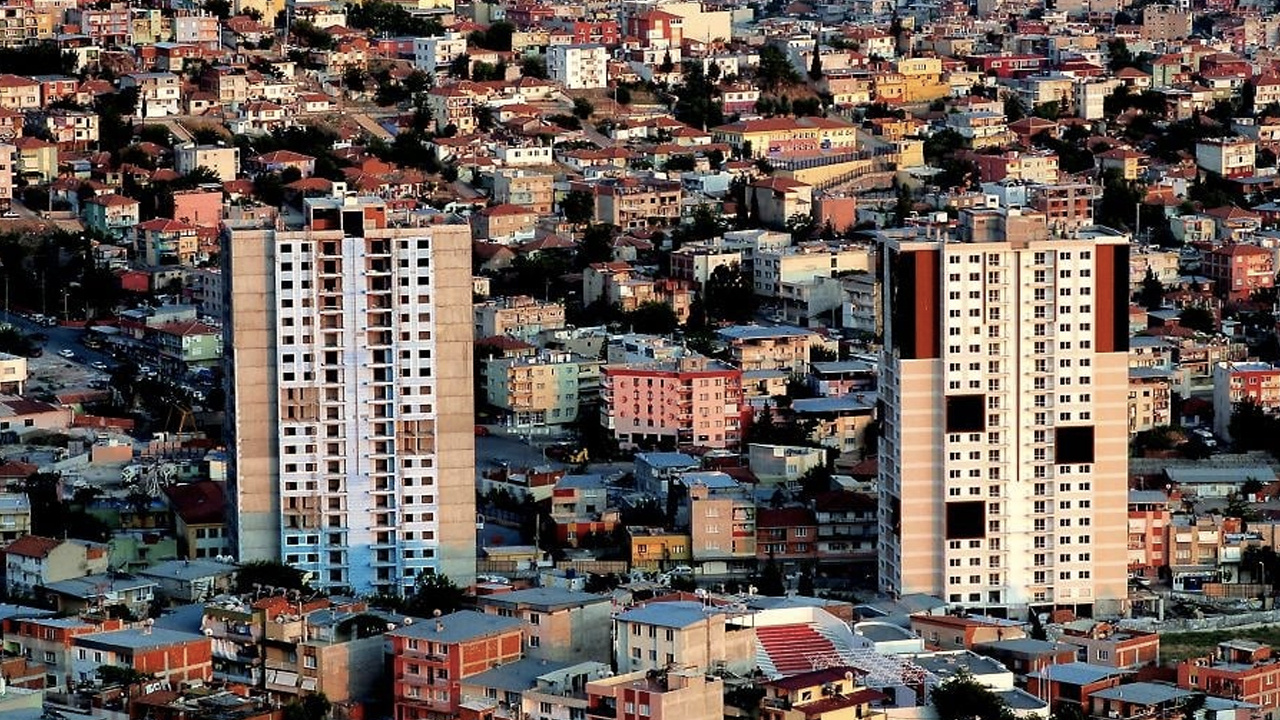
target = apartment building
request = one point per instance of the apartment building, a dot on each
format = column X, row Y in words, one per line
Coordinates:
column 632, row 203
column 559, row 625
column 688, row 401
column 49, row 641
column 1150, row 399
column 435, row 54
column 350, row 397
column 112, row 214
column 775, row 200
column 721, row 515
column 1238, row 270
column 8, row 167
column 222, row 160
column 669, row 695
column 655, row 548
column 518, row 316
column 169, row 655
column 429, row 658
column 166, row 242
column 540, row 392
column 1229, row 157
column 659, row 635
column 449, row 106
column 578, row 67
column 506, row 224
column 524, row 187
column 1238, row 382
column 199, row 29
column 21, row 24
column 1102, row 643
column 804, row 262
column 1010, row 338
column 696, row 262
column 786, row 136
column 758, row 347
column 159, row 93
column 1239, row 669
column 107, row 26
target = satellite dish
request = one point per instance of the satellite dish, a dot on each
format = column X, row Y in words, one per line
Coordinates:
column 408, row 621
column 208, row 632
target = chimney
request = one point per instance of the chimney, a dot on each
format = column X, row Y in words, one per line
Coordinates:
column 439, row 626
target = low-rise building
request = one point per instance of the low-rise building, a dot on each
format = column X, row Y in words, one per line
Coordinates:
column 656, row 549
column 1238, row 270
column 673, row 693
column 1239, row 669
column 559, row 625
column 521, row 317
column 15, row 516
column 200, row 519
column 578, row 67
column 1102, row 643
column 682, row 633
column 1238, row 382
column 111, row 214
column 1150, row 399
column 721, row 516
column 540, row 392
column 32, row 562
column 430, row 657
column 756, row 347
column 222, row 160
column 170, row 655
column 1228, row 157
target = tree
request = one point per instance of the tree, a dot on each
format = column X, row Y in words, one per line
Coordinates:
column 1037, row 629
column 729, row 295
column 313, row 706
column 578, row 207
column 667, row 64
column 622, row 95
column 697, row 102
column 116, row 675
column 1119, row 54
column 1013, row 109
column 597, row 244
column 1197, row 318
column 770, row 581
column 805, row 586
column 962, row 697
column 460, row 67
column 220, row 8
column 268, row 573
column 432, row 592
column 1250, row 427
column 815, row 66
column 583, row 108
column 775, row 70
column 652, row 318
column 534, row 67
column 1151, row 296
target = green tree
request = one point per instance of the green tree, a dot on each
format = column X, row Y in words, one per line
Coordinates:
column 313, row 706
column 268, row 573
column 1119, row 55
column 697, row 103
column 622, row 95
column 775, row 70
column 583, row 108
column 770, row 581
column 116, row 675
column 667, row 64
column 534, row 67
column 729, row 295
column 815, row 66
column 1037, row 631
column 1013, row 109
column 1250, row 427
column 578, row 207
column 805, row 585
column 652, row 318
column 432, row 592
column 1197, row 318
column 1151, row 296
column 219, row 8
column 597, row 244
column 962, row 697
column 460, row 67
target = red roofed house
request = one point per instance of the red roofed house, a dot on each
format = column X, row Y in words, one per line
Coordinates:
column 166, row 242
column 775, row 199
column 1241, row 670
column 33, row 561
column 112, row 214
column 831, row 693
column 199, row 518
column 1238, row 270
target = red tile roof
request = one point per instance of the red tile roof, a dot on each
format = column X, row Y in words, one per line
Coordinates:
column 198, row 503
column 33, row 546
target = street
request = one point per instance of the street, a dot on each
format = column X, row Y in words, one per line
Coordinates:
column 60, row 338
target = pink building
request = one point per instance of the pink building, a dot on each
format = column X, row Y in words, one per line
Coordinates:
column 692, row 401
column 201, row 208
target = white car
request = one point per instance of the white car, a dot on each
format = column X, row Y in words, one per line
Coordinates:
column 68, row 354
column 98, row 365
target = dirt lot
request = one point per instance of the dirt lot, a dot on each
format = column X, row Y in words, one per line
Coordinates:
column 1180, row 646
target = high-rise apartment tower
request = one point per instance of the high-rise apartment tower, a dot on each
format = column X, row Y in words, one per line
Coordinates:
column 350, row 397
column 1003, row 461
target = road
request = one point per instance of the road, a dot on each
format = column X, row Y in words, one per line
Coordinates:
column 60, row 338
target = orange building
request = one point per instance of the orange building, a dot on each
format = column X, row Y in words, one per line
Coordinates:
column 1240, row 669
column 1148, row 522
column 1102, row 643
column 690, row 401
column 430, row 657
column 1237, row 270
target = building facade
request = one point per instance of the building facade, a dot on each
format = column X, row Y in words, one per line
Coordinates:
column 350, row 363
column 1003, row 464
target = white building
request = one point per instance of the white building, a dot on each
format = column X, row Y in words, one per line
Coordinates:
column 159, row 93
column 1003, row 463
column 8, row 164
column 351, row 397
column 578, row 67
column 223, row 160
column 434, row 54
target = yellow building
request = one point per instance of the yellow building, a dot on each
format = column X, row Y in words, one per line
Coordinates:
column 653, row 548
column 783, row 136
column 268, row 8
column 922, row 79
column 826, row 694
